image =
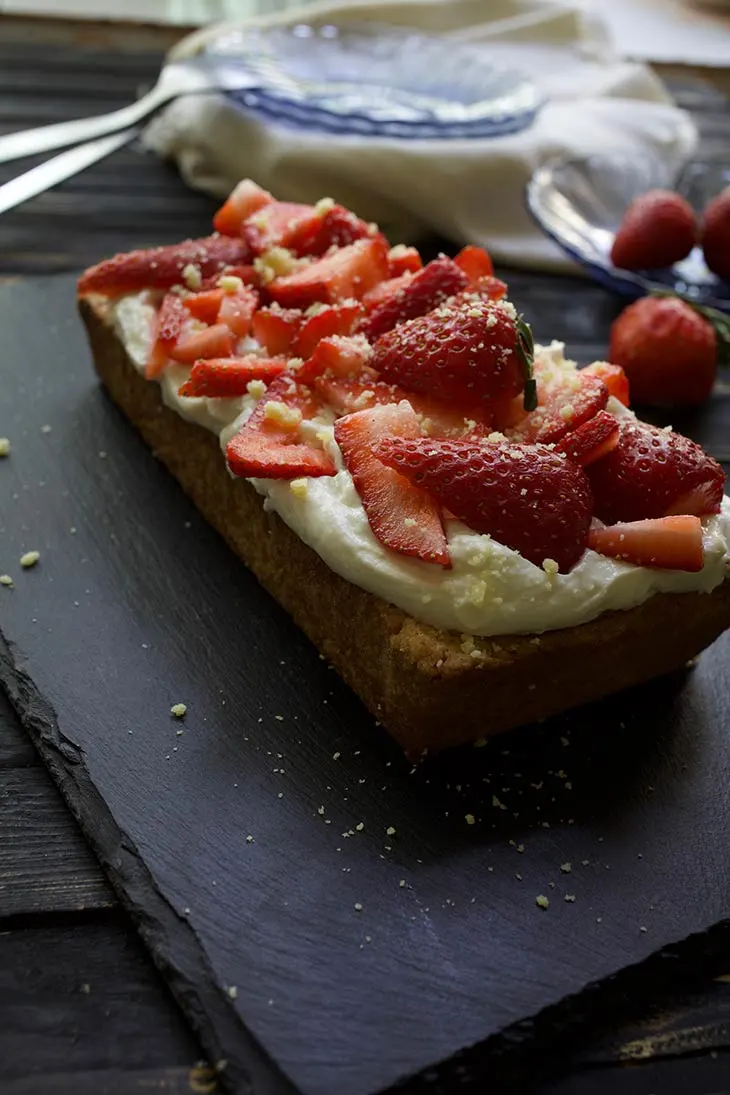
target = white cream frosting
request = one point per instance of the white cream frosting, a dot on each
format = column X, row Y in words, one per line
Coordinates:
column 491, row 589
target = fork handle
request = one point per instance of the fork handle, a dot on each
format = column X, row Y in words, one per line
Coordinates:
column 47, row 137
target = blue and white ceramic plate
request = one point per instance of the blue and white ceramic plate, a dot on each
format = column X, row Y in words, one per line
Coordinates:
column 371, row 80
column 580, row 203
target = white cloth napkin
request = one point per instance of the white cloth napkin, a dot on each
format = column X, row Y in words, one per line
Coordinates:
column 468, row 191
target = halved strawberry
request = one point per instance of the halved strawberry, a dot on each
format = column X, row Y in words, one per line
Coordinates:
column 402, row 517
column 349, row 272
column 332, row 227
column 237, row 310
column 426, row 290
column 475, row 262
column 338, row 354
column 204, row 305
column 244, row 200
column 277, row 224
column 170, row 319
column 162, row 267
column 672, row 543
column 613, row 377
column 384, row 290
column 524, row 496
column 230, row 376
column 594, row 439
column 654, row 473
column 275, row 328
column 336, row 319
column 562, row 407
column 270, row 444
column 216, row 341
column 403, row 260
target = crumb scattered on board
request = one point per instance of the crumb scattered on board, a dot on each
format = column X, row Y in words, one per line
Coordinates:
column 4, row 446
column 29, row 559
column 178, row 710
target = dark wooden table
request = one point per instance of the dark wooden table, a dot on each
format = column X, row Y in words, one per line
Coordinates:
column 82, row 1009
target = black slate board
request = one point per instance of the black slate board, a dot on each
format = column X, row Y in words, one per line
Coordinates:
column 137, row 604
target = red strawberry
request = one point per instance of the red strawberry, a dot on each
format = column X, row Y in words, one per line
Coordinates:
column 654, row 473
column 229, row 376
column 334, row 227
column 716, row 234
column 337, row 354
column 162, row 267
column 674, row 543
column 336, row 319
column 245, row 199
column 349, row 272
column 464, row 351
column 659, row 228
column 237, row 310
column 430, row 287
column 403, row 260
column 562, row 406
column 270, row 444
column 384, row 290
column 215, row 341
column 594, row 439
column 475, row 262
column 170, row 321
column 402, row 517
column 276, row 225
column 204, row 306
column 613, row 377
column 276, row 328
column 667, row 350
column 524, row 496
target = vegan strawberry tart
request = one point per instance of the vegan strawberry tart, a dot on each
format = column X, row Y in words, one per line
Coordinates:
column 476, row 533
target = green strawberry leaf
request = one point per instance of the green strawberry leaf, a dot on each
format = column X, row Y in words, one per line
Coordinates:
column 526, row 350
column 719, row 321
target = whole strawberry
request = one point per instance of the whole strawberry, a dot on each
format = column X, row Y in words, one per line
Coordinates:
column 659, row 228
column 466, row 350
column 433, row 285
column 654, row 473
column 716, row 234
column 667, row 350
column 524, row 496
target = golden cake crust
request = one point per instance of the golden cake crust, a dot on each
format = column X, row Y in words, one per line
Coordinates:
column 427, row 690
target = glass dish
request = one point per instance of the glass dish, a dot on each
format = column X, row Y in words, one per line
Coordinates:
column 371, row 80
column 579, row 203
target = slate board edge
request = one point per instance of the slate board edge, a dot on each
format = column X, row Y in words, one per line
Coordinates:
column 176, row 950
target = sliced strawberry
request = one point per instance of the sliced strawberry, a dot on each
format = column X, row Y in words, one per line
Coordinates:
column 349, row 272
column 426, row 290
column 672, row 543
column 216, row 341
column 162, row 267
column 652, row 473
column 385, row 290
column 237, row 310
column 490, row 288
column 276, row 328
column 594, row 439
column 204, row 305
column 170, row 321
column 524, row 496
column 270, row 444
column 245, row 199
column 277, row 224
column 561, row 407
column 343, row 356
column 475, row 262
column 402, row 517
column 229, row 376
column 403, row 260
column 613, row 377
column 333, row 227
column 465, row 351
column 337, row 319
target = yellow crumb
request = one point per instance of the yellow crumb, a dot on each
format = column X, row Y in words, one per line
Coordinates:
column 541, row 901
column 550, row 567
column 299, row 487
column 6, row 580
column 230, row 283
column 470, row 819
column 289, row 418
column 192, row 277
column 4, row 446
column 256, row 388
column 29, row 559
column 178, row 710
column 324, row 205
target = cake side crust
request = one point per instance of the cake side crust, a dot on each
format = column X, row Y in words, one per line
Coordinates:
column 414, row 678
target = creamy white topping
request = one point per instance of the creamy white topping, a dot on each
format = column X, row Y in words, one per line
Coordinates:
column 491, row 589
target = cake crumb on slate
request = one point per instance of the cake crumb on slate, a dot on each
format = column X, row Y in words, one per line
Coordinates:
column 178, row 710
column 29, row 559
column 4, row 446
column 566, row 868
column 470, row 819
column 541, row 901
column 569, row 897
column 6, row 580
column 390, row 831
